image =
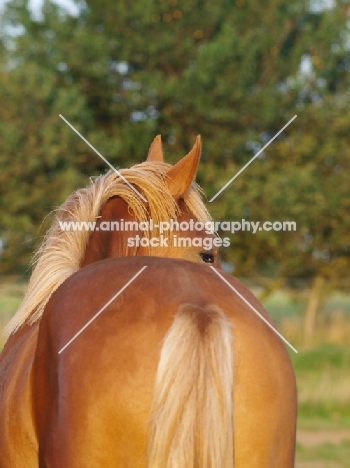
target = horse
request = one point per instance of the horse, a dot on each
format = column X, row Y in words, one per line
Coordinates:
column 175, row 372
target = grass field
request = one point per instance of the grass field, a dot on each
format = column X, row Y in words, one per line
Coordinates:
column 323, row 374
column 323, row 380
column 10, row 298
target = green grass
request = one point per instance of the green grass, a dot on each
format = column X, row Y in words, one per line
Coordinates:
column 324, row 456
column 337, row 301
column 323, row 416
column 281, row 304
column 323, row 380
column 10, row 298
column 324, row 358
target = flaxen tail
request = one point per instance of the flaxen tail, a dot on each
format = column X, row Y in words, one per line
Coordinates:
column 192, row 411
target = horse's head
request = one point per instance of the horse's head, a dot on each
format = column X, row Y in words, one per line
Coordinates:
column 173, row 223
column 82, row 231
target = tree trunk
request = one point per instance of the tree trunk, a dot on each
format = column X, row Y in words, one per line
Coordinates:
column 311, row 310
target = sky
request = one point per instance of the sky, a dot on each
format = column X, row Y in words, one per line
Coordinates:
column 36, row 5
column 67, row 4
column 315, row 5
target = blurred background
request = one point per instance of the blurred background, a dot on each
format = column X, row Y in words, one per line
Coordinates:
column 234, row 71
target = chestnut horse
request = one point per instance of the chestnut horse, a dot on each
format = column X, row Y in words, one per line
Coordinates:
column 177, row 371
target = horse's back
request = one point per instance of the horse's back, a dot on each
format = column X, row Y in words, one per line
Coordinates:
column 93, row 400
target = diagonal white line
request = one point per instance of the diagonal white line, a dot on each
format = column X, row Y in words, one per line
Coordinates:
column 101, row 310
column 103, row 158
column 254, row 157
column 254, row 309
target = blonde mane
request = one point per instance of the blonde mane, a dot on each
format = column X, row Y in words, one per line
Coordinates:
column 62, row 252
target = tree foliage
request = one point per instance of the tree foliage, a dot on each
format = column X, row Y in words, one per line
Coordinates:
column 234, row 71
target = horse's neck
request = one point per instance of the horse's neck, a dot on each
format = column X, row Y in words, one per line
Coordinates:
column 105, row 243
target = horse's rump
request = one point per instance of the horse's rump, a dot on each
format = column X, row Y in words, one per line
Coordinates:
column 168, row 333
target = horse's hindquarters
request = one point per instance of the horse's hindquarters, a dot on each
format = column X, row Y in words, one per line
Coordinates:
column 96, row 413
column 18, row 441
column 265, row 405
column 95, row 397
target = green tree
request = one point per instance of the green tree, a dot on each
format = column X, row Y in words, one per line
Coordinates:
column 234, row 71
column 37, row 165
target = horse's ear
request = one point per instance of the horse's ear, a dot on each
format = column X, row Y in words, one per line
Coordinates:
column 181, row 176
column 155, row 152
